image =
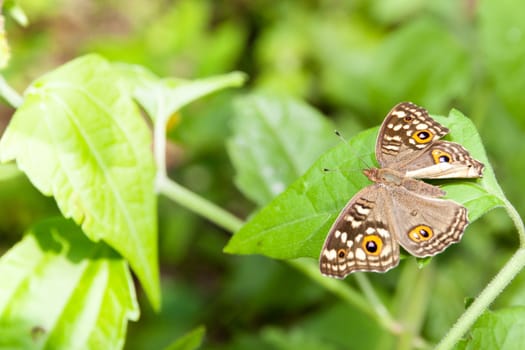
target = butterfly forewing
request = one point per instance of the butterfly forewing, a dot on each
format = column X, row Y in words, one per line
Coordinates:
column 360, row 240
column 406, row 131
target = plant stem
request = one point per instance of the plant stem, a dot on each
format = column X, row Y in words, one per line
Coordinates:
column 348, row 294
column 374, row 301
column 199, row 205
column 159, row 146
column 513, row 213
column 485, row 298
column 9, row 94
column 410, row 304
column 383, row 316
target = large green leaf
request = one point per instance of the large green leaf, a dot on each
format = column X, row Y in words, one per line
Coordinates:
column 59, row 290
column 295, row 223
column 502, row 330
column 267, row 150
column 80, row 138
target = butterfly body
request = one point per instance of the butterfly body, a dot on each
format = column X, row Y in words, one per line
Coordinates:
column 398, row 209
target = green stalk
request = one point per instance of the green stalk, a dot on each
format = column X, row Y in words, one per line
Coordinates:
column 9, row 94
column 483, row 301
column 348, row 294
column 492, row 290
column 516, row 219
column 372, row 299
column 411, row 302
column 199, row 205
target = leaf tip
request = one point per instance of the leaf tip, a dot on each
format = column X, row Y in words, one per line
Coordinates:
column 238, row 78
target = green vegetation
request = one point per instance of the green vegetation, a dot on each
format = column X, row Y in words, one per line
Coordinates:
column 146, row 134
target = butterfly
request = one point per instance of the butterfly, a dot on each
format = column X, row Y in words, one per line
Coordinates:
column 398, row 209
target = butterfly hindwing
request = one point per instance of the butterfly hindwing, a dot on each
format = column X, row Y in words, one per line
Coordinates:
column 424, row 225
column 441, row 160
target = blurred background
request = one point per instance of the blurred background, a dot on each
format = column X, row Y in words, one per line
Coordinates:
column 352, row 60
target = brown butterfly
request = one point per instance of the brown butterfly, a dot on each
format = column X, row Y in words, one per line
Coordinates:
column 398, row 209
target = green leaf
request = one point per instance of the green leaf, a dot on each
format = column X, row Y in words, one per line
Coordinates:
column 163, row 97
column 502, row 330
column 80, row 138
column 481, row 195
column 59, row 290
column 295, row 223
column 267, row 150
column 190, row 341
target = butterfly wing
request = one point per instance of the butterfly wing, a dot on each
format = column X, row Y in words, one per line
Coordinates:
column 406, row 131
column 441, row 160
column 425, row 225
column 359, row 239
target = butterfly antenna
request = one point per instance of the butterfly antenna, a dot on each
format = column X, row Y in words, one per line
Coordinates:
column 338, row 133
column 361, row 158
column 341, row 137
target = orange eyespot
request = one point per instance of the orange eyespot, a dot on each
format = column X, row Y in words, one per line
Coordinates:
column 421, row 233
column 372, row 244
column 341, row 253
column 423, row 136
column 441, row 156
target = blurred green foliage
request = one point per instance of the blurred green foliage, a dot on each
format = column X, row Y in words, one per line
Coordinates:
column 353, row 60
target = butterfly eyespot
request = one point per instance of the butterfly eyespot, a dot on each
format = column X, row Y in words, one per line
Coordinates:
column 408, row 118
column 421, row 233
column 423, row 136
column 441, row 156
column 372, row 244
column 341, row 253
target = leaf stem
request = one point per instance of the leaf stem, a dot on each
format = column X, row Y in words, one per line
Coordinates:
column 345, row 292
column 199, row 205
column 9, row 94
column 483, row 301
column 384, row 317
column 375, row 302
column 410, row 304
column 516, row 218
column 159, row 149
